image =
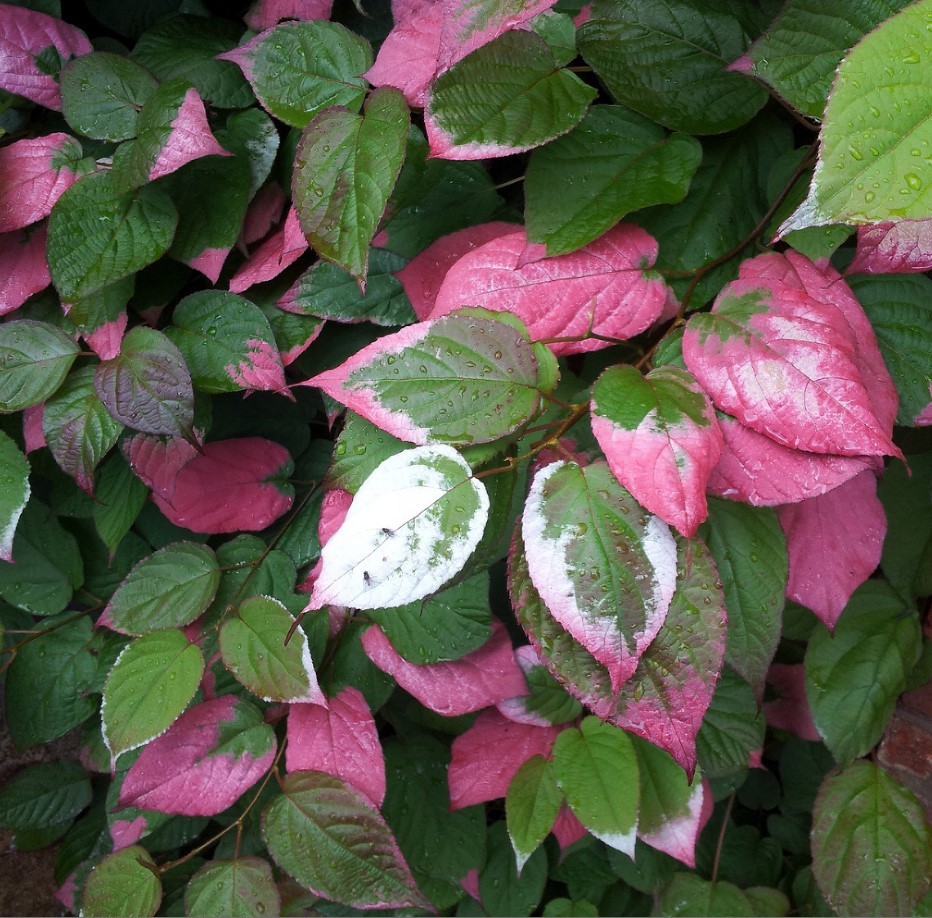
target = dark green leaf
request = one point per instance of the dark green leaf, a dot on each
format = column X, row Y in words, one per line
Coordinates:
column 688, row 894
column 44, row 795
column 118, row 498
column 733, row 728
column 907, row 500
column 241, row 888
column 34, row 360
column 505, row 888
column 14, row 492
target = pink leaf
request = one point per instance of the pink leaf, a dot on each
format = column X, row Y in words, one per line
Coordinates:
column 470, row 884
column 488, row 755
column 24, row 34
column 605, row 287
column 33, row 430
column 32, row 179
column 204, row 762
column 66, row 893
column 263, row 14
column 190, row 138
column 105, row 340
column 790, row 709
column 23, row 268
column 209, row 262
column 272, row 257
column 341, row 740
column 333, row 510
column 423, row 275
column 661, row 439
column 924, row 418
column 893, row 248
column 677, row 836
column 567, row 829
column 156, row 462
column 834, row 543
column 126, row 832
column 260, row 368
column 265, row 211
column 481, row 678
column 788, row 350
column 757, row 470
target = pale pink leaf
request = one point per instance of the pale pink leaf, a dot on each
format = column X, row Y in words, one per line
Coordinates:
column 893, row 248
column 189, row 139
column 403, row 10
column 834, row 543
column 790, row 709
column 263, row 14
column 204, row 762
column 126, row 832
column 488, row 755
column 583, row 16
column 23, row 268
column 677, row 836
column 924, row 418
column 280, row 250
column 759, row 471
column 66, row 893
column 32, row 178
column 341, row 740
column 480, row 679
column 33, row 429
column 105, row 340
column 333, row 510
column 516, row 708
column 209, row 262
column 661, row 439
column 265, row 211
column 423, row 275
column 260, row 368
column 605, row 288
column 24, row 34
column 788, row 350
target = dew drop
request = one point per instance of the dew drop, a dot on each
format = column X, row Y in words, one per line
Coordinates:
column 869, row 197
column 913, row 181
column 912, row 58
column 855, row 153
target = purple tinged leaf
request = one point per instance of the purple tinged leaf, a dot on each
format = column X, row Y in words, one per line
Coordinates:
column 834, row 543
column 661, row 439
column 24, row 34
column 893, row 248
column 33, row 176
column 263, row 14
column 275, row 254
column 605, row 288
column 204, row 762
column 341, row 740
column 605, row 569
column 23, row 268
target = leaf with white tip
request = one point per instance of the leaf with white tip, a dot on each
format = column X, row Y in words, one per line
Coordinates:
column 534, row 798
column 14, row 492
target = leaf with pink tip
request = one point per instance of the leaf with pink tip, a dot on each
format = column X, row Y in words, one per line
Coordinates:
column 605, row 568
column 204, row 762
column 488, row 755
column 341, row 740
column 794, row 363
column 23, row 268
column 34, row 173
column 481, row 678
column 789, row 708
column 263, row 14
column 283, row 248
column 661, row 439
column 834, row 543
column 605, row 288
column 24, row 34
column 893, row 248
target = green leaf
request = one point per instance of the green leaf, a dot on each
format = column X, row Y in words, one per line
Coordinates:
column 871, row 165
column 102, row 94
column 668, row 61
column 907, row 500
column 871, row 843
column 531, row 805
column 900, row 309
column 561, row 906
column 124, row 883
column 106, row 306
column 14, row 492
column 251, row 135
column 118, row 497
column 548, row 699
column 44, row 795
column 253, row 646
column 647, row 872
column 78, row 428
column 240, row 888
column 50, row 683
column 613, row 163
column 688, row 894
column 149, row 687
column 251, row 568
column 506, row 889
column 331, row 840
column 345, row 168
column 597, row 769
column 97, row 236
column 800, row 51
column 169, row 589
column 35, row 358
column 749, row 549
column 733, row 728
column 667, row 793
column 854, row 676
column 359, row 449
column 767, row 901
column 505, row 97
column 147, row 386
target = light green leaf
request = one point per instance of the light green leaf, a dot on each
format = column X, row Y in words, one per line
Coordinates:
column 240, row 888
column 150, row 685
column 873, row 154
column 345, row 168
column 359, row 449
column 871, row 843
column 613, row 163
column 124, row 883
column 34, row 360
column 531, row 805
column 14, row 492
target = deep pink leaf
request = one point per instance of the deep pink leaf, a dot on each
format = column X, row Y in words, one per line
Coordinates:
column 423, row 275
column 893, row 248
column 23, row 268
column 24, row 33
column 126, row 832
column 481, row 678
column 341, row 740
column 333, row 510
column 788, row 350
column 204, row 762
column 260, row 368
column 280, row 250
column 567, row 829
column 759, row 471
column 105, row 340
column 265, row 211
column 263, row 14
column 33, row 431
column 190, row 138
column 834, row 543
column 488, row 755
column 156, row 462
column 790, row 709
column 924, row 418
column 605, row 287
column 209, row 262
column 33, row 176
